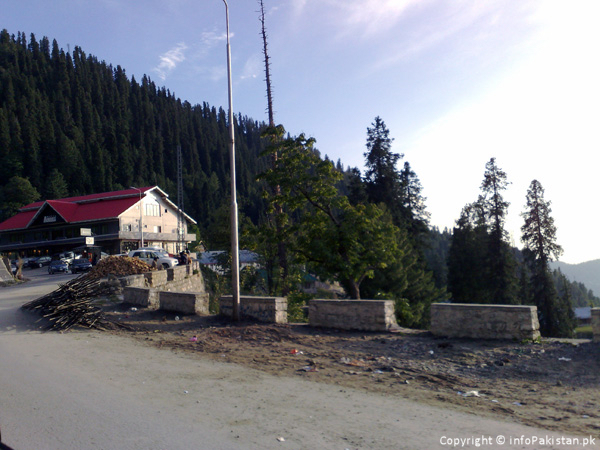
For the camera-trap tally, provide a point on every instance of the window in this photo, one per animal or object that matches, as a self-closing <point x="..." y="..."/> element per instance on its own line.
<point x="126" y="227"/>
<point x="157" y="229"/>
<point x="152" y="210"/>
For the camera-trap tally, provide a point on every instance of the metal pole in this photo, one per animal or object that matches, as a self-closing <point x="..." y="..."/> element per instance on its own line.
<point x="141" y="217"/>
<point x="235" y="255"/>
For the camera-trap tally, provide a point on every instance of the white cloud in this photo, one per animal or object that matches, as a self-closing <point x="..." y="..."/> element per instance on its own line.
<point x="253" y="67"/>
<point x="170" y="60"/>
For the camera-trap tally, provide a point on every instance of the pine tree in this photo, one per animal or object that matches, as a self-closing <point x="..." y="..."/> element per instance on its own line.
<point x="481" y="265"/>
<point x="382" y="178"/>
<point x="539" y="237"/>
<point x="502" y="280"/>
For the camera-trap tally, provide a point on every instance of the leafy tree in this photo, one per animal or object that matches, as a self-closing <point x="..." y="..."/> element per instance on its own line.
<point x="539" y="237"/>
<point x="17" y="193"/>
<point x="339" y="241"/>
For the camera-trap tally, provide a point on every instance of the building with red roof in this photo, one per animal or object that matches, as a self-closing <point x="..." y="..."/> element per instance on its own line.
<point x="116" y="221"/>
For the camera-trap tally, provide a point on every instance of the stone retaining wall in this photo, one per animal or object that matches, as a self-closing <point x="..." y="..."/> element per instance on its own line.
<point x="143" y="297"/>
<point x="368" y="315"/>
<point x="178" y="278"/>
<point x="596" y="324"/>
<point x="264" y="309"/>
<point x="184" y="302"/>
<point x="178" y="289"/>
<point x="459" y="320"/>
<point x="181" y="302"/>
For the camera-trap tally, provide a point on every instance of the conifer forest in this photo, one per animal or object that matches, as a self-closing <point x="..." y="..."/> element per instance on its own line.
<point x="71" y="124"/>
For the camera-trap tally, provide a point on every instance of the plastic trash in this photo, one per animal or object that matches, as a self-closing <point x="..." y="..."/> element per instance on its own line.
<point x="176" y="317"/>
<point x="564" y="359"/>
<point x="471" y="394"/>
<point x="193" y="338"/>
<point x="281" y="439"/>
<point x="133" y="309"/>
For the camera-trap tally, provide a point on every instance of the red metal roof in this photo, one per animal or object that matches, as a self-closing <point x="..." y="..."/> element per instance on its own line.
<point x="86" y="208"/>
<point x="91" y="197"/>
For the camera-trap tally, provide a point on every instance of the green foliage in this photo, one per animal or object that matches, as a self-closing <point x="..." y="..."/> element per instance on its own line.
<point x="16" y="193"/>
<point x="481" y="265"/>
<point x="57" y="186"/>
<point x="71" y="123"/>
<point x="216" y="286"/>
<point x="555" y="312"/>
<point x="339" y="241"/>
<point x="297" y="301"/>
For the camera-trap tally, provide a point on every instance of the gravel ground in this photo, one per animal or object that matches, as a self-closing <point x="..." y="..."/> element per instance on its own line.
<point x="551" y="385"/>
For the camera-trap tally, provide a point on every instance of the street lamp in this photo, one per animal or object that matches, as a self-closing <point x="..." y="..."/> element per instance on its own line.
<point x="235" y="265"/>
<point x="141" y="218"/>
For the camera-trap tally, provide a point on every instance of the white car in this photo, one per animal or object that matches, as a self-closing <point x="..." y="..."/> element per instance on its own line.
<point x="148" y="255"/>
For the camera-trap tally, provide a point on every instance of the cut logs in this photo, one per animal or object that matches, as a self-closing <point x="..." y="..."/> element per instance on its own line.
<point x="72" y="304"/>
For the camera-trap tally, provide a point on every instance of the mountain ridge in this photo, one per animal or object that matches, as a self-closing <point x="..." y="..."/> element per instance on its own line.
<point x="587" y="272"/>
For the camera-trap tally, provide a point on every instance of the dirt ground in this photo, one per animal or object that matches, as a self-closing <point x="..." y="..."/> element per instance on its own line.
<point x="552" y="385"/>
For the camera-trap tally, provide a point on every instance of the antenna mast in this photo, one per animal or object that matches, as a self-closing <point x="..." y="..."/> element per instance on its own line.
<point x="180" y="219"/>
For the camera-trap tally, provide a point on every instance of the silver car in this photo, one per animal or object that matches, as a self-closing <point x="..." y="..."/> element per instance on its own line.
<point x="148" y="257"/>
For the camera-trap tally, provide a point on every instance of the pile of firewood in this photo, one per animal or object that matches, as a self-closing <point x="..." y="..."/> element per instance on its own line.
<point x="119" y="266"/>
<point x="72" y="304"/>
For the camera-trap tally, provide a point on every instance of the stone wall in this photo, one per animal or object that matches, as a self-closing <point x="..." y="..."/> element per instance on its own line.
<point x="143" y="297"/>
<point x="178" y="289"/>
<point x="178" y="278"/>
<point x="184" y="302"/>
<point x="459" y="320"/>
<point x="596" y="324"/>
<point x="263" y="309"/>
<point x="368" y="315"/>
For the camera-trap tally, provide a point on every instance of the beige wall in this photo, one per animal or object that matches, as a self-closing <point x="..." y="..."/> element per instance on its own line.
<point x="166" y="220"/>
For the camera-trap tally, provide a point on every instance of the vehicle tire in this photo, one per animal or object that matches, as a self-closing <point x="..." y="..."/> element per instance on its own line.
<point x="166" y="266"/>
<point x="40" y="265"/>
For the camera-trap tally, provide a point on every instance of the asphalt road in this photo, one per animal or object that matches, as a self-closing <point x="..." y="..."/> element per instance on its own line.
<point x="91" y="390"/>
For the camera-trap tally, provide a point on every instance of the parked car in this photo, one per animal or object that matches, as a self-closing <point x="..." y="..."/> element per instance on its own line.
<point x="58" y="265"/>
<point x="148" y="257"/>
<point x="65" y="256"/>
<point x="39" y="262"/>
<point x="80" y="265"/>
<point x="14" y="266"/>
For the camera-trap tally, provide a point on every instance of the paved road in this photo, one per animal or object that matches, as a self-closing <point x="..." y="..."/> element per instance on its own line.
<point x="91" y="390"/>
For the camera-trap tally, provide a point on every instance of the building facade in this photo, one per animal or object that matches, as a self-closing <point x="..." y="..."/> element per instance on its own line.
<point x="116" y="222"/>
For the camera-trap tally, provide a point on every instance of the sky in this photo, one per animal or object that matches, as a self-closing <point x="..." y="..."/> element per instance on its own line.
<point x="457" y="82"/>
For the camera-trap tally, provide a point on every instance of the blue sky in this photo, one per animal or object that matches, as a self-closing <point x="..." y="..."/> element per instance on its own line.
<point x="456" y="82"/>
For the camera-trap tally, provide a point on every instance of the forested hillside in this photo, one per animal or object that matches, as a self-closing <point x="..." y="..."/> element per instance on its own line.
<point x="72" y="125"/>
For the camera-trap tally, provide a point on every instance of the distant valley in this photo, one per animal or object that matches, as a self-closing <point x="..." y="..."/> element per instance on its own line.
<point x="587" y="273"/>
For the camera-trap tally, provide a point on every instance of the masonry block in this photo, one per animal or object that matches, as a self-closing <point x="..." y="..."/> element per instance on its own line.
<point x="263" y="309"/>
<point x="596" y="324"/>
<point x="367" y="315"/>
<point x="461" y="320"/>
<point x="184" y="302"/>
<point x="143" y="297"/>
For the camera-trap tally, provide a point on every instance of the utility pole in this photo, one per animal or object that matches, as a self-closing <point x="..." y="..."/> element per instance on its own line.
<point x="180" y="220"/>
<point x="235" y="252"/>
